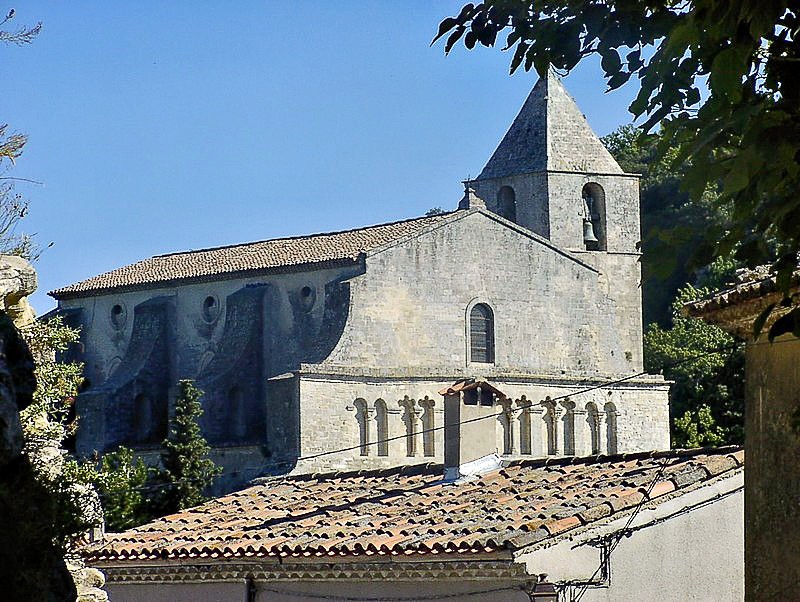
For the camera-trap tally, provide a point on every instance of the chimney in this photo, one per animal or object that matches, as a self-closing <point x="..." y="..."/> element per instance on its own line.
<point x="470" y="428"/>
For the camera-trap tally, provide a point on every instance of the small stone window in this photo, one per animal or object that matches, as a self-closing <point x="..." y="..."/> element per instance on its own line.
<point x="382" y="427"/>
<point x="481" y="334"/>
<point x="308" y="296"/>
<point x="149" y="420"/>
<point x="210" y="308"/>
<point x="237" y="416"/>
<point x="119" y="316"/>
<point x="507" y="203"/>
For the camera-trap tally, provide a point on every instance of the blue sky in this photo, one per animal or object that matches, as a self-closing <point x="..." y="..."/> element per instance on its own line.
<point x="166" y="126"/>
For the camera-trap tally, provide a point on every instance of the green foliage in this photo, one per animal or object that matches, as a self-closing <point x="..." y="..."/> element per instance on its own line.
<point x="121" y="481"/>
<point x="707" y="397"/>
<point x="434" y="211"/>
<point x="46" y="423"/>
<point x="187" y="470"/>
<point x="672" y="225"/>
<point x="133" y="493"/>
<point x="743" y="137"/>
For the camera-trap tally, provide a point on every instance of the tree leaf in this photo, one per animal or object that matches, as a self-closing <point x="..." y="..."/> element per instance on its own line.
<point x="726" y="73"/>
<point x="610" y="62"/>
<point x="761" y="320"/>
<point x="445" y="26"/>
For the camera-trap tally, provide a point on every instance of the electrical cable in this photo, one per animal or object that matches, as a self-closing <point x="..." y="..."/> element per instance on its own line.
<point x="360" y="446"/>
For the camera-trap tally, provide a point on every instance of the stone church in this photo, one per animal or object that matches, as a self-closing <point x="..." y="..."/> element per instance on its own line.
<point x="311" y="344"/>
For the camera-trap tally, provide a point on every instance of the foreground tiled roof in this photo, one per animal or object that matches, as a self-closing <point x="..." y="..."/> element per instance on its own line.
<point x="750" y="284"/>
<point x="411" y="511"/>
<point x="250" y="257"/>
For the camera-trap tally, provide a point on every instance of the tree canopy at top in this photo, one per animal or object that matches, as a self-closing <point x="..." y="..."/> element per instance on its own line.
<point x="743" y="137"/>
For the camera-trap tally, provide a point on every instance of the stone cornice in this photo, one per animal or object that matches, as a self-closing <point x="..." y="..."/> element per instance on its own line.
<point x="573" y="379"/>
<point x="224" y="571"/>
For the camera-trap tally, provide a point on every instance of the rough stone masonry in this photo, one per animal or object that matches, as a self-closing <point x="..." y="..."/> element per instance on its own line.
<point x="311" y="344"/>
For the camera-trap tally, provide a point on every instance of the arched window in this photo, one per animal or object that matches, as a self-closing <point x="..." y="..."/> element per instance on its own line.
<point x="142" y="419"/>
<point x="237" y="416"/>
<point x="593" y="423"/>
<point x="611" y="427"/>
<point x="382" y="427"/>
<point x="150" y="420"/>
<point x="594" y="215"/>
<point x="524" y="407"/>
<point x="481" y="334"/>
<point x="428" y="424"/>
<point x="363" y="426"/>
<point x="569" y="428"/>
<point x="507" y="203"/>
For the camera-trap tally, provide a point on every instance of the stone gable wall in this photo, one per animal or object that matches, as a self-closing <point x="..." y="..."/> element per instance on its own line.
<point x="409" y="310"/>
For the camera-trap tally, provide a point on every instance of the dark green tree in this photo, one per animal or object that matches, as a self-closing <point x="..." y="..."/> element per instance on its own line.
<point x="707" y="397"/>
<point x="122" y="480"/>
<point x="743" y="136"/>
<point x="187" y="470"/>
<point x="672" y="225"/>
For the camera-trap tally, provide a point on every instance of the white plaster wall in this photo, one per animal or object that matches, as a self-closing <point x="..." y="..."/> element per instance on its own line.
<point x="695" y="556"/>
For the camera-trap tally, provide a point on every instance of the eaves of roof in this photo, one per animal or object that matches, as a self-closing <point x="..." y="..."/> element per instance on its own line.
<point x="410" y="511"/>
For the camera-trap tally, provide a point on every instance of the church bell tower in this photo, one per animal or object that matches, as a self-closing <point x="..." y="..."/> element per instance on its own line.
<point x="551" y="174"/>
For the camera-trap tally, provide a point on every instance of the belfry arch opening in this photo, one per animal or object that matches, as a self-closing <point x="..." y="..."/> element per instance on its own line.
<point x="594" y="217"/>
<point x="507" y="203"/>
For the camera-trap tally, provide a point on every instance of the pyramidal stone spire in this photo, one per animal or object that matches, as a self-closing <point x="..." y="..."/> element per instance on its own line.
<point x="549" y="134"/>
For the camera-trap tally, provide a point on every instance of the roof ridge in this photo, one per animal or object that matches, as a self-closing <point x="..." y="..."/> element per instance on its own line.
<point x="303" y="236"/>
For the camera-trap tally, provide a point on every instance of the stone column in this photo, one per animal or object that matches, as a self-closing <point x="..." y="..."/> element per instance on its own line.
<point x="508" y="426"/>
<point x="558" y="413"/>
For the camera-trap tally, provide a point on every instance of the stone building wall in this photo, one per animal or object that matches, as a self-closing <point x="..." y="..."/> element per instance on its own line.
<point x="410" y="308"/>
<point x="330" y="418"/>
<point x="258" y="328"/>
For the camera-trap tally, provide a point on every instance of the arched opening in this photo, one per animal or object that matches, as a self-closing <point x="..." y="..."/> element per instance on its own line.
<point x="611" y="427"/>
<point x="428" y="424"/>
<point x="569" y="428"/>
<point x="481" y="334"/>
<point x="237" y="416"/>
<point x="142" y="419"/>
<point x="524" y="426"/>
<point x="594" y="217"/>
<point x="363" y="426"/>
<point x="507" y="203"/>
<point x="382" y="427"/>
<point x="593" y="424"/>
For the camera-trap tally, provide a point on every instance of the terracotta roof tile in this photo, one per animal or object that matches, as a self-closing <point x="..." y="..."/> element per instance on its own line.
<point x="411" y="511"/>
<point x="254" y="257"/>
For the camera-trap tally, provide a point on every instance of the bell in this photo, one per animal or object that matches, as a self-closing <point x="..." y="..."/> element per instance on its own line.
<point x="588" y="232"/>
